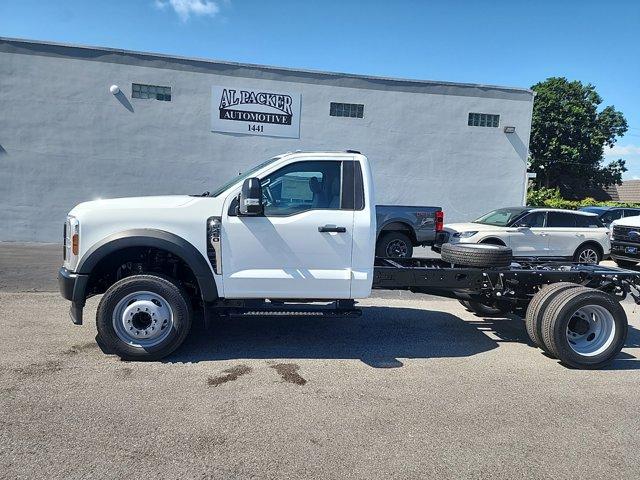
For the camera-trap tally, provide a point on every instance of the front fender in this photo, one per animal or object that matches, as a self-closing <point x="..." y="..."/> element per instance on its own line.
<point x="148" y="237"/>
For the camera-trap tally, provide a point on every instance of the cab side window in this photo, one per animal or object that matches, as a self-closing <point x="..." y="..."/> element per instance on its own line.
<point x="561" y="219"/>
<point x="533" y="220"/>
<point x="612" y="215"/>
<point x="631" y="212"/>
<point x="302" y="186"/>
<point x="588" y="221"/>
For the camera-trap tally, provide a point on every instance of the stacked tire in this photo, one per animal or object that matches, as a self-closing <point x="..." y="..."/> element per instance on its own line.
<point x="479" y="256"/>
<point x="582" y="327"/>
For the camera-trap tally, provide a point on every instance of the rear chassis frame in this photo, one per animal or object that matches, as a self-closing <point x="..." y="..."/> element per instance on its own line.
<point x="509" y="288"/>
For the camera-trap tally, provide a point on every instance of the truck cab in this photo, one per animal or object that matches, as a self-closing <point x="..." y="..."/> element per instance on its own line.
<point x="299" y="226"/>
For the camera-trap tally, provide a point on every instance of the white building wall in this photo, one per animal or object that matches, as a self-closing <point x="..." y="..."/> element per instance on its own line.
<point x="64" y="138"/>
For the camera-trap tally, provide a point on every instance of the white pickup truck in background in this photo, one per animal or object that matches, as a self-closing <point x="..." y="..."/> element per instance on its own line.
<point x="301" y="228"/>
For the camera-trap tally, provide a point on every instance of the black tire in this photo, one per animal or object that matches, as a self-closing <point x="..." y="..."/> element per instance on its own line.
<point x="625" y="263"/>
<point x="564" y="308"/>
<point x="536" y="308"/>
<point x="148" y="287"/>
<point x="590" y="250"/>
<point x="395" y="245"/>
<point x="477" y="255"/>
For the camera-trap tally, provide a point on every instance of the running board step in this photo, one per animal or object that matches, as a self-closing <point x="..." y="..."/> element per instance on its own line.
<point x="333" y="312"/>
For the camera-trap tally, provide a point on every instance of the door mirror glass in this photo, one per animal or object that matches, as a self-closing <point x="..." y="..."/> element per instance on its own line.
<point x="251" y="198"/>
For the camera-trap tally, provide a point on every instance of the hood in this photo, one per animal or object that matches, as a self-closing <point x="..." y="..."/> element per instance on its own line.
<point x="627" y="222"/>
<point x="469" y="227"/>
<point x="133" y="203"/>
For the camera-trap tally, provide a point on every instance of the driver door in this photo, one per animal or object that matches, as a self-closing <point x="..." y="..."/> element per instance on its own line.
<point x="301" y="247"/>
<point x="528" y="238"/>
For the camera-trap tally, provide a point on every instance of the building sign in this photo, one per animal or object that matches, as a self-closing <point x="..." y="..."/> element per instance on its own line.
<point x="255" y="112"/>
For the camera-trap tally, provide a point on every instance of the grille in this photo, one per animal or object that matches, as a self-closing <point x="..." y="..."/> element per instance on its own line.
<point x="627" y="234"/>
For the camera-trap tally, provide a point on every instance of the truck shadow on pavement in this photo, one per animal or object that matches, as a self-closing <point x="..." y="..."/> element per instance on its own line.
<point x="379" y="338"/>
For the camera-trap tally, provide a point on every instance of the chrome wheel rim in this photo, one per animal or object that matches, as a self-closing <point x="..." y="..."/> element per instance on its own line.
<point x="591" y="330"/>
<point x="142" y="319"/>
<point x="588" y="255"/>
<point x="397" y="248"/>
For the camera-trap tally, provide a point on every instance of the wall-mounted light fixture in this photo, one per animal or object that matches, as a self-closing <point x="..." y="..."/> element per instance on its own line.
<point x="509" y="129"/>
<point x="115" y="89"/>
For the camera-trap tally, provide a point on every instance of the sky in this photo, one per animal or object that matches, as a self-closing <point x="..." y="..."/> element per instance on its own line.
<point x="512" y="43"/>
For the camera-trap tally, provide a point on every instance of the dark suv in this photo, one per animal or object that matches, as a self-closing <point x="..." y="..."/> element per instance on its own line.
<point x="609" y="214"/>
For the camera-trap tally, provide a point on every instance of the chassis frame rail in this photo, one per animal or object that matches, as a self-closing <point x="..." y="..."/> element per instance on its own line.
<point x="511" y="287"/>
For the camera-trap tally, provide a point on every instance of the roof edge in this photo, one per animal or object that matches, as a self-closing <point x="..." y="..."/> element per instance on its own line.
<point x="67" y="50"/>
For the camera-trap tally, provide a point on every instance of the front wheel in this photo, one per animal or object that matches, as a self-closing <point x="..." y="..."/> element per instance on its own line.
<point x="394" y="244"/>
<point x="143" y="317"/>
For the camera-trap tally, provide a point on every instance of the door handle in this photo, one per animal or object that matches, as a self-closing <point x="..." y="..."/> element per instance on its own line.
<point x="331" y="229"/>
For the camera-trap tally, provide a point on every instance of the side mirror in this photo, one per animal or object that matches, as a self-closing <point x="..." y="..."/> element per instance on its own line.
<point x="523" y="228"/>
<point x="251" y="198"/>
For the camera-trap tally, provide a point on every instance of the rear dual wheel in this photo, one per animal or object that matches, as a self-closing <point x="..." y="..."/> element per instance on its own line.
<point x="537" y="306"/>
<point x="582" y="327"/>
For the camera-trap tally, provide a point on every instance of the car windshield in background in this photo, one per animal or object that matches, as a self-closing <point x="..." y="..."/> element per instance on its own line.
<point x="501" y="217"/>
<point x="243" y="176"/>
<point x="597" y="210"/>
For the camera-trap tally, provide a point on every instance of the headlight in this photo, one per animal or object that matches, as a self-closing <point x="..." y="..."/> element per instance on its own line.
<point x="464" y="234"/>
<point x="71" y="243"/>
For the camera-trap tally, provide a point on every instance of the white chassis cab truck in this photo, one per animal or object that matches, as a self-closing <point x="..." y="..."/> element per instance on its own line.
<point x="296" y="235"/>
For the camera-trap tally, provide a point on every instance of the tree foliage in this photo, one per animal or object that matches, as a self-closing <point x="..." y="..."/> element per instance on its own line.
<point x="552" y="198"/>
<point x="568" y="136"/>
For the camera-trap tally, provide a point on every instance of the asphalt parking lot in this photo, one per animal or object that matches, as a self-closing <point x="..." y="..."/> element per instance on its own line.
<point x="415" y="388"/>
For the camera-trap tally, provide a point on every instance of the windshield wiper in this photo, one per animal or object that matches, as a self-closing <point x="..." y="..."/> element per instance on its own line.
<point x="205" y="194"/>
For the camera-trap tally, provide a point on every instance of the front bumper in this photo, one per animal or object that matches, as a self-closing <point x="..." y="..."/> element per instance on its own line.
<point x="73" y="287"/>
<point x="625" y="251"/>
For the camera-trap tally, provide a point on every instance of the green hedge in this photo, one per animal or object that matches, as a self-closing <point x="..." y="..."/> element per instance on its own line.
<point x="550" y="197"/>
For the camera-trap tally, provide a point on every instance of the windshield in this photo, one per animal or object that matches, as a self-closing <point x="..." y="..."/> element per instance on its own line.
<point x="501" y="217"/>
<point x="242" y="176"/>
<point x="597" y="210"/>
